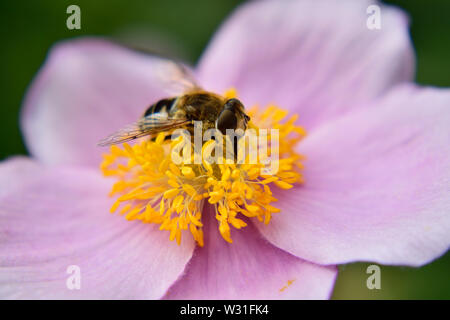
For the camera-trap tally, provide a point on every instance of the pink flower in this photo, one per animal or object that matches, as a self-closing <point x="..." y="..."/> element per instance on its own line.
<point x="377" y="175"/>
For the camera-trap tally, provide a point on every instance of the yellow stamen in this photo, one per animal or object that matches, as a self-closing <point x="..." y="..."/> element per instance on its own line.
<point x="152" y="188"/>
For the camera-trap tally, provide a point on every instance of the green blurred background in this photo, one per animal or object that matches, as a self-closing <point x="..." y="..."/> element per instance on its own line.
<point x="182" y="29"/>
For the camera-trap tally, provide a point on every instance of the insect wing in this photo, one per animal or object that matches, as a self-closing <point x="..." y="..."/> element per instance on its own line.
<point x="149" y="125"/>
<point x="177" y="78"/>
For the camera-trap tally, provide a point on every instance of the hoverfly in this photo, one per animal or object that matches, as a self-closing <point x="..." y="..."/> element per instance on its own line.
<point x="194" y="104"/>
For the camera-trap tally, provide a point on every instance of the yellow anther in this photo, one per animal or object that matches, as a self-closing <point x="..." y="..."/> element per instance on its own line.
<point x="162" y="207"/>
<point x="114" y="206"/>
<point x="133" y="214"/>
<point x="178" y="203"/>
<point x="128" y="149"/>
<point x="174" y="169"/>
<point x="160" y="138"/>
<point x="252" y="208"/>
<point x="269" y="180"/>
<point x="189" y="190"/>
<point x="171" y="193"/>
<point x="226" y="175"/>
<point x="238" y="223"/>
<point x="125" y="208"/>
<point x="224" y="230"/>
<point x="188" y="172"/>
<point x="164" y="165"/>
<point x="170" y="175"/>
<point x="236" y="174"/>
<point x="173" y="183"/>
<point x="283" y="185"/>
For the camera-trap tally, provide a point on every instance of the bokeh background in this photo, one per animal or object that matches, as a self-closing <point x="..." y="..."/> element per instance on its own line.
<point x="182" y="29"/>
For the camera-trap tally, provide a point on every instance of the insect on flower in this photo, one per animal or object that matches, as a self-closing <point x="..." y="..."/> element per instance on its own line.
<point x="194" y="104"/>
<point x="154" y="188"/>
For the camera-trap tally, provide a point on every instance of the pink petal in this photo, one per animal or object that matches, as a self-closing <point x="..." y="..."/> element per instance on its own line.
<point x="249" y="268"/>
<point x="16" y="171"/>
<point x="87" y="89"/>
<point x="377" y="185"/>
<point x="63" y="219"/>
<point x="315" y="57"/>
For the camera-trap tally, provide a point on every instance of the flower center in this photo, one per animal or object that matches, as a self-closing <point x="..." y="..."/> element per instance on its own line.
<point x="153" y="188"/>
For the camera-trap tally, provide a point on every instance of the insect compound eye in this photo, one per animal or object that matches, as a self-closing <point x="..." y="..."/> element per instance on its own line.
<point x="231" y="116"/>
<point x="233" y="104"/>
<point x="226" y="120"/>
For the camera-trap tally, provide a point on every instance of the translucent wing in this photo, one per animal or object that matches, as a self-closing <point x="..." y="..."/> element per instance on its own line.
<point x="149" y="125"/>
<point x="177" y="78"/>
